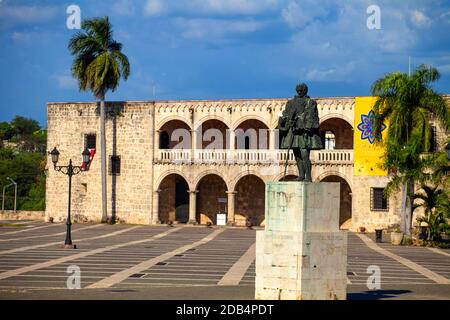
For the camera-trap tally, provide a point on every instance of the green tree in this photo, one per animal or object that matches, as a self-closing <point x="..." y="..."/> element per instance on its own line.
<point x="27" y="169"/>
<point x="407" y="102"/>
<point x="435" y="203"/>
<point x="6" y="131"/>
<point x="98" y="65"/>
<point x="23" y="126"/>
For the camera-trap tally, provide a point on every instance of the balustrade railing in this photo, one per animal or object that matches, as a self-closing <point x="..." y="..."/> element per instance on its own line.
<point x="250" y="156"/>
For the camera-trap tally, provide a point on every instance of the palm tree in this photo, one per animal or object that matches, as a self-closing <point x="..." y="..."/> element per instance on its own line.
<point x="435" y="202"/>
<point x="407" y="102"/>
<point x="98" y="65"/>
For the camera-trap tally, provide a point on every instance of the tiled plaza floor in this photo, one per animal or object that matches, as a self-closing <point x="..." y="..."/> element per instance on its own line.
<point x="122" y="258"/>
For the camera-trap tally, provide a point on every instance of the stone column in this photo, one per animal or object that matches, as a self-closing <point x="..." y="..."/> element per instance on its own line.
<point x="155" y="207"/>
<point x="272" y="139"/>
<point x="193" y="144"/>
<point x="230" y="210"/>
<point x="156" y="144"/>
<point x="192" y="206"/>
<point x="232" y="142"/>
<point x="231" y="147"/>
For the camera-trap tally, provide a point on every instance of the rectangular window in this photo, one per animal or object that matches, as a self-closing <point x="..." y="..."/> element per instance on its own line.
<point x="378" y="201"/>
<point x="90" y="141"/>
<point x="114" y="165"/>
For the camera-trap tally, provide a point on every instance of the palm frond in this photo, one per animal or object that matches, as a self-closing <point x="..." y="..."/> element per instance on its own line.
<point x="99" y="63"/>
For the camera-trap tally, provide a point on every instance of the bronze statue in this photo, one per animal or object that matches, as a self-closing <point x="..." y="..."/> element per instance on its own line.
<point x="299" y="130"/>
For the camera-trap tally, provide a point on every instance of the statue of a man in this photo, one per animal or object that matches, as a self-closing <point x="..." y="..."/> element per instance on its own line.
<point x="299" y="130"/>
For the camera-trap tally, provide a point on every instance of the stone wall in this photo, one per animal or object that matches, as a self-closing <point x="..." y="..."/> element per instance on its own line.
<point x="22" y="215"/>
<point x="363" y="216"/>
<point x="129" y="134"/>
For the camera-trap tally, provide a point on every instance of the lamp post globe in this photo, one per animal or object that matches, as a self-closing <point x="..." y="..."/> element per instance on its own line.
<point x="55" y="156"/>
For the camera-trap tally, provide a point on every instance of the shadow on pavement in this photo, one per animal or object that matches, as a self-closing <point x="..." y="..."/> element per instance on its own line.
<point x="376" y="294"/>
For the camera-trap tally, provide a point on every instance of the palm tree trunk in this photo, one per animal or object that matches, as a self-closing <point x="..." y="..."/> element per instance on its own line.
<point x="411" y="205"/>
<point x="403" y="208"/>
<point x="103" y="158"/>
<point x="407" y="205"/>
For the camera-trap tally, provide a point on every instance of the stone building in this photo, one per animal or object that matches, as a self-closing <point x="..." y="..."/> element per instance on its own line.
<point x="187" y="161"/>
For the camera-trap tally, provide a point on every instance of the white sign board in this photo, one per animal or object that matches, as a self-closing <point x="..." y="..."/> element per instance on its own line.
<point x="221" y="219"/>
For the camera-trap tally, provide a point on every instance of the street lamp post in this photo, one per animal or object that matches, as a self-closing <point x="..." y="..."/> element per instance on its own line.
<point x="15" y="192"/>
<point x="13" y="183"/>
<point x="69" y="170"/>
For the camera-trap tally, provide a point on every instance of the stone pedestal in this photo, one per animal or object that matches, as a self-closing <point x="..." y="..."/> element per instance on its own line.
<point x="301" y="254"/>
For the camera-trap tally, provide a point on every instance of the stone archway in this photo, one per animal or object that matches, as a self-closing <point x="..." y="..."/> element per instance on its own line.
<point x="173" y="199"/>
<point x="345" y="208"/>
<point x="175" y="134"/>
<point x="212" y="134"/>
<point x="211" y="198"/>
<point x="250" y="200"/>
<point x="340" y="129"/>
<point x="251" y="134"/>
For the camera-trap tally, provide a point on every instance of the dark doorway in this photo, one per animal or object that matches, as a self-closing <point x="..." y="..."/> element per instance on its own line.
<point x="164" y="140"/>
<point x="173" y="199"/>
<point x="181" y="201"/>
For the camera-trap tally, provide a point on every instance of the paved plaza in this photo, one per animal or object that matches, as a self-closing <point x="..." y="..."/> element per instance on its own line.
<point x="188" y="262"/>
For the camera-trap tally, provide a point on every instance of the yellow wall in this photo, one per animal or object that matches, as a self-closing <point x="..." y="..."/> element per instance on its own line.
<point x="368" y="156"/>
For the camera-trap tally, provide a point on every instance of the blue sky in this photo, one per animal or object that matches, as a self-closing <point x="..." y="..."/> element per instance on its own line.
<point x="212" y="49"/>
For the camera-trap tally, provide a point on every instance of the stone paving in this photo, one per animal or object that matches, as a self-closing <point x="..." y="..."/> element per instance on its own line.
<point x="125" y="257"/>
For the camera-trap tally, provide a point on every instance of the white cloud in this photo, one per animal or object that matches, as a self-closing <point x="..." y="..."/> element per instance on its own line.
<point x="298" y="14"/>
<point x="21" y="37"/>
<point x="420" y="19"/>
<point x="215" y="28"/>
<point x="334" y="73"/>
<point x="238" y="6"/>
<point x="27" y="14"/>
<point x="333" y="44"/>
<point x="155" y="7"/>
<point x="202" y="7"/>
<point x="124" y="7"/>
<point x="346" y="32"/>
<point x="213" y="21"/>
<point x="445" y="16"/>
<point x="66" y="81"/>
